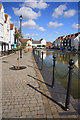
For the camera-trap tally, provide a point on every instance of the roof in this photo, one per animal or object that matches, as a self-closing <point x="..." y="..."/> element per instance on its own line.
<point x="11" y="26"/>
<point x="15" y="28"/>
<point x="0" y="6"/>
<point x="41" y="39"/>
<point x="24" y="40"/>
<point x="6" y="17"/>
<point x="36" y="42"/>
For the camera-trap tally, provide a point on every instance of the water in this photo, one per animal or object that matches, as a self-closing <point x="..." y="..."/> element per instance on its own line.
<point x="62" y="63"/>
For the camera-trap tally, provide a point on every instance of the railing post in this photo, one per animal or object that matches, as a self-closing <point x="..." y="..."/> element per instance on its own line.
<point x="42" y="61"/>
<point x="53" y="78"/>
<point x="71" y="62"/>
<point x="38" y="55"/>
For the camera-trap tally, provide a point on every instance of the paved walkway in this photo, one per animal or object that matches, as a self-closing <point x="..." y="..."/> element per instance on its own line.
<point x="24" y="96"/>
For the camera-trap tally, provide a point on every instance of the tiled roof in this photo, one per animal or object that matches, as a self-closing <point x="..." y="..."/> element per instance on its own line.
<point x="0" y="6"/>
<point x="15" y="28"/>
<point x="36" y="42"/>
<point x="6" y="17"/>
<point x="11" y="26"/>
<point x="24" y="40"/>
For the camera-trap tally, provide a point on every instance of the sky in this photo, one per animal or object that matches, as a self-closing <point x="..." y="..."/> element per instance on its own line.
<point x="48" y="20"/>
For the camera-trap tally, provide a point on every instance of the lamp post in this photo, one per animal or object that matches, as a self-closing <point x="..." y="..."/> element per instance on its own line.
<point x="20" y="32"/>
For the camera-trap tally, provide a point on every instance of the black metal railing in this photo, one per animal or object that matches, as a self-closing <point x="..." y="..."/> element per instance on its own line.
<point x="69" y="74"/>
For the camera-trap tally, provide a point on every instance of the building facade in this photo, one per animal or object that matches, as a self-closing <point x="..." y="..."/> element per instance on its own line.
<point x="12" y="38"/>
<point x="1" y="27"/>
<point x="36" y="44"/>
<point x="68" y="42"/>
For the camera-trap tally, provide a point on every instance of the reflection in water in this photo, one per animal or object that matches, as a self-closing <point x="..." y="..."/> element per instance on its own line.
<point x="62" y="63"/>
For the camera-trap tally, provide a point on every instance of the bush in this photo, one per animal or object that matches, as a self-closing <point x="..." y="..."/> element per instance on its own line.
<point x="38" y="45"/>
<point x="43" y="45"/>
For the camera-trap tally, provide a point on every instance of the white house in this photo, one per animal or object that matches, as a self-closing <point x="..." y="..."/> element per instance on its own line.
<point x="41" y="43"/>
<point x="12" y="38"/>
<point x="1" y="26"/>
<point x="76" y="42"/>
<point x="31" y="43"/>
<point x="6" y="32"/>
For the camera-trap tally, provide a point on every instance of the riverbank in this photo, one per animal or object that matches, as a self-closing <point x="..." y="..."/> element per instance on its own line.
<point x="58" y="93"/>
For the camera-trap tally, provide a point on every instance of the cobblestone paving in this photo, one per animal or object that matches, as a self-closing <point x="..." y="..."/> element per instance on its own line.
<point x="0" y="89"/>
<point x="24" y="96"/>
<point x="19" y="100"/>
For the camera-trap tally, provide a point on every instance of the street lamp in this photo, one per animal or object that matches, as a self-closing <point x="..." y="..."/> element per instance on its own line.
<point x="20" y="32"/>
<point x="20" y="21"/>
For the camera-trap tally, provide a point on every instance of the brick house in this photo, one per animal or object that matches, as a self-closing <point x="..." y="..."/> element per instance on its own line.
<point x="49" y="45"/>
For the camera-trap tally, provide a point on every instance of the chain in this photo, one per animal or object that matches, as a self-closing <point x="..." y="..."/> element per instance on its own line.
<point x="76" y="74"/>
<point x="47" y="65"/>
<point x="60" y="75"/>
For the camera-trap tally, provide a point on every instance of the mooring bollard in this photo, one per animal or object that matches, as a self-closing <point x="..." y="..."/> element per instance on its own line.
<point x="53" y="78"/>
<point x="71" y="62"/>
<point x="20" y="52"/>
<point x="42" y="61"/>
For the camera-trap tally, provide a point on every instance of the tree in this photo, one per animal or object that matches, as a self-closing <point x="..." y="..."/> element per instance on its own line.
<point x="24" y="44"/>
<point x="18" y="36"/>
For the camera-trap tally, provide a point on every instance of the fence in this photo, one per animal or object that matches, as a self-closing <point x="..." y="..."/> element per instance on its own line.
<point x="54" y="73"/>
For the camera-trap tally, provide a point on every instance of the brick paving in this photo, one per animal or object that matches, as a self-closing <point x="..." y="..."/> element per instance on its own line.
<point x="25" y="97"/>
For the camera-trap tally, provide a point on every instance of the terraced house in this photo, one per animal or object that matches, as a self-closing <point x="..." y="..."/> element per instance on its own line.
<point x="68" y="42"/>
<point x="1" y="27"/>
<point x="7" y="31"/>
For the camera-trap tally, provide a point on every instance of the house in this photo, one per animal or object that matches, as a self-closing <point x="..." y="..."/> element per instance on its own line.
<point x="68" y="42"/>
<point x="49" y="45"/>
<point x="31" y="43"/>
<point x="12" y="38"/>
<point x="6" y="33"/>
<point x="28" y="43"/>
<point x="75" y="41"/>
<point x="39" y="44"/>
<point x="1" y="27"/>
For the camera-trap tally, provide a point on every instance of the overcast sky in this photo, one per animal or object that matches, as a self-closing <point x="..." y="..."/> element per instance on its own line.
<point x="47" y="20"/>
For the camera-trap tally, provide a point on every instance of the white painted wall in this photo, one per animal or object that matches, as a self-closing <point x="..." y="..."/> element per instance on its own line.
<point x="11" y="35"/>
<point x="76" y="41"/>
<point x="43" y="42"/>
<point x="1" y="26"/>
<point x="7" y="31"/>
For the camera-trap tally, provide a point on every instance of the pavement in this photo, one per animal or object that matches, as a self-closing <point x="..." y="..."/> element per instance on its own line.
<point x="25" y="93"/>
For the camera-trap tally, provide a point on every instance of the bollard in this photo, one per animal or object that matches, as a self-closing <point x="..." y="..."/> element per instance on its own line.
<point x="38" y="56"/>
<point x="53" y="78"/>
<point x="42" y="61"/>
<point x="20" y="52"/>
<point x="33" y="51"/>
<point x="71" y="62"/>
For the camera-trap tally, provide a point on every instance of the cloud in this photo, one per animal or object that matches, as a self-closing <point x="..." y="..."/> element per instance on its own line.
<point x="41" y="29"/>
<point x="75" y="26"/>
<point x="54" y="24"/>
<point x="59" y="11"/>
<point x="69" y="13"/>
<point x="35" y="34"/>
<point x="26" y="12"/>
<point x="35" y="4"/>
<point x="29" y="24"/>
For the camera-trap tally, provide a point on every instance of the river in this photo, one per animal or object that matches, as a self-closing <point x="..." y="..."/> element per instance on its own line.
<point x="61" y="69"/>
